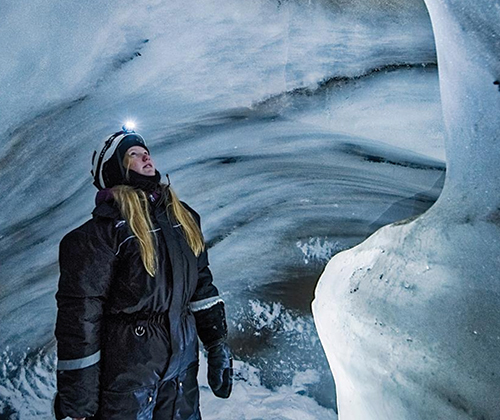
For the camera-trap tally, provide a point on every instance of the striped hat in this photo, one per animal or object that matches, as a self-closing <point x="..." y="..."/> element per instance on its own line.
<point x="107" y="160"/>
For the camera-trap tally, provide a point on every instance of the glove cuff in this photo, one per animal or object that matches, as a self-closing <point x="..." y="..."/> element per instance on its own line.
<point x="211" y="325"/>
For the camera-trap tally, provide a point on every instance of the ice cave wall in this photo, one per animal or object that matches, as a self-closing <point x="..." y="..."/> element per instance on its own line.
<point x="410" y="318"/>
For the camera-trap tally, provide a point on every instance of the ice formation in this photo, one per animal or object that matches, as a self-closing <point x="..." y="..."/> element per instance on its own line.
<point x="410" y="318"/>
<point x="261" y="112"/>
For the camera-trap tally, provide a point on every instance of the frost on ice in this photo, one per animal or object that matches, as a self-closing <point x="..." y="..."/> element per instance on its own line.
<point x="316" y="249"/>
<point x="410" y="318"/>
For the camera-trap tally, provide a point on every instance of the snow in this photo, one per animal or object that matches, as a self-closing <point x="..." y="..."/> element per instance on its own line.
<point x="409" y="318"/>
<point x="251" y="401"/>
<point x="318" y="249"/>
<point x="32" y="385"/>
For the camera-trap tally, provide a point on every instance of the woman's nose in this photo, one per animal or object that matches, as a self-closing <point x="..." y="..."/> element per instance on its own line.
<point x="145" y="157"/>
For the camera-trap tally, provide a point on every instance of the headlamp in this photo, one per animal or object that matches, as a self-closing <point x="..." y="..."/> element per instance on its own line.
<point x="128" y="127"/>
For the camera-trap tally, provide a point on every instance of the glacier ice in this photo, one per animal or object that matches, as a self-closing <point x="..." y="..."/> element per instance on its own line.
<point x="410" y="318"/>
<point x="276" y="106"/>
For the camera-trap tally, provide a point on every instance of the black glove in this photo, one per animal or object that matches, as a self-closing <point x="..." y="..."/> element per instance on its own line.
<point x="220" y="370"/>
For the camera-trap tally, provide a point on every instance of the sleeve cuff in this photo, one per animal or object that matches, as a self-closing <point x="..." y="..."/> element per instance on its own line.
<point x="203" y="304"/>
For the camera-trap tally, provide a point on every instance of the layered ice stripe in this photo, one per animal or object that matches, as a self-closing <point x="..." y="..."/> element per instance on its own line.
<point x="195" y="54"/>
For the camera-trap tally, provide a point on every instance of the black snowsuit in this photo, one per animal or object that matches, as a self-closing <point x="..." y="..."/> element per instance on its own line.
<point x="127" y="342"/>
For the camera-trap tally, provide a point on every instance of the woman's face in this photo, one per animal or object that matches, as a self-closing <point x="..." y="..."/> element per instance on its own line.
<point x="137" y="159"/>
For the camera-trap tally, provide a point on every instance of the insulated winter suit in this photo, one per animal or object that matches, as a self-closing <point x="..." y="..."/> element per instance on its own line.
<point x="128" y="342"/>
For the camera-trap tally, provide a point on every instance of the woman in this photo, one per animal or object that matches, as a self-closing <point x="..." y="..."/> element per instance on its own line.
<point x="135" y="292"/>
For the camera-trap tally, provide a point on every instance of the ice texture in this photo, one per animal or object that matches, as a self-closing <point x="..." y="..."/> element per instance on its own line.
<point x="410" y="318"/>
<point x="295" y="128"/>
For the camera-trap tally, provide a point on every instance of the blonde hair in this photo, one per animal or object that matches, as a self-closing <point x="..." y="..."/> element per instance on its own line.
<point x="134" y="207"/>
<point x="192" y="232"/>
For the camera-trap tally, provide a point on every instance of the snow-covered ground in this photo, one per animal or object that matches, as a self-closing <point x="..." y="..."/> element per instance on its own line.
<point x="296" y="129"/>
<point x="26" y="395"/>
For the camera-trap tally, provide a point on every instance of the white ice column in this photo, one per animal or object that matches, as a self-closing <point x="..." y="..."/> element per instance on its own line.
<point x="467" y="38"/>
<point x="410" y="318"/>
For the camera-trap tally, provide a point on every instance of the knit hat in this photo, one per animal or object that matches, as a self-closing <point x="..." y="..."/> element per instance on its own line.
<point x="107" y="160"/>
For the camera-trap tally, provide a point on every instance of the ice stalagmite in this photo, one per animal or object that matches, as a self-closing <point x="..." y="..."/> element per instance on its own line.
<point x="410" y="318"/>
